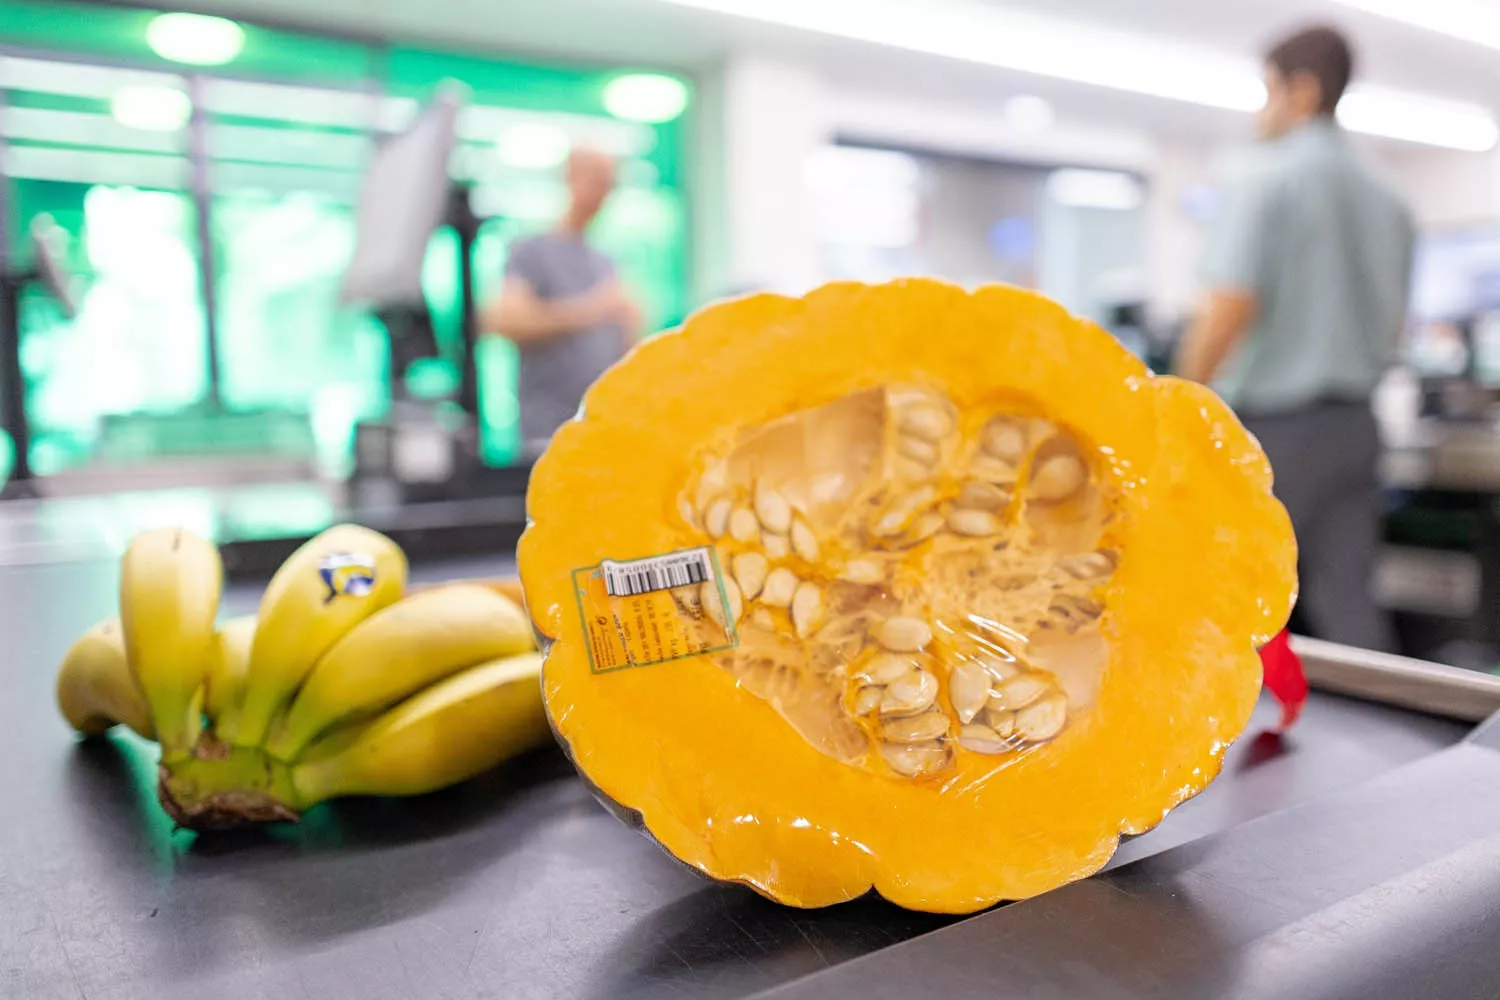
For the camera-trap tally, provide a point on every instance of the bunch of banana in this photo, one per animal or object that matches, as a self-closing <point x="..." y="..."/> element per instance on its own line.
<point x="342" y="684"/>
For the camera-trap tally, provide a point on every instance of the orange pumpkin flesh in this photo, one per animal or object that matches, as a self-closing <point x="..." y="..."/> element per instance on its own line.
<point x="769" y="763"/>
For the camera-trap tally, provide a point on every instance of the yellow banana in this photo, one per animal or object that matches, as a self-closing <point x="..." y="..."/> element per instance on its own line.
<point x="95" y="689"/>
<point x="170" y="580"/>
<point x="228" y="666"/>
<point x="451" y="731"/>
<point x="397" y="652"/>
<point x="328" y="586"/>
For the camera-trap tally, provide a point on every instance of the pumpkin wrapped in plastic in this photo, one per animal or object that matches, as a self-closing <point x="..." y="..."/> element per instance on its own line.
<point x="900" y="587"/>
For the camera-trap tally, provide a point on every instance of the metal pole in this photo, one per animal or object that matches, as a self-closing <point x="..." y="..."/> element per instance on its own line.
<point x="13" y="387"/>
<point x="202" y="204"/>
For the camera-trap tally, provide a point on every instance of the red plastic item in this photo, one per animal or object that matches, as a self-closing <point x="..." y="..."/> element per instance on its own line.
<point x="1284" y="678"/>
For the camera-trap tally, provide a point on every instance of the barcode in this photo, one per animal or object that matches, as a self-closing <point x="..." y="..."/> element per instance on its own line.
<point x="641" y="576"/>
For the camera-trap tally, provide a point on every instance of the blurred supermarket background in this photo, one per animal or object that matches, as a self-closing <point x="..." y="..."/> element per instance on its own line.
<point x="201" y="342"/>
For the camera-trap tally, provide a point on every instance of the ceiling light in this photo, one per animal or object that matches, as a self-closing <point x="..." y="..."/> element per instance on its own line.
<point x="1010" y="39"/>
<point x="1475" y="21"/>
<point x="1397" y="115"/>
<point x="1028" y="113"/>
<point x="195" y="39"/>
<point x="533" y="146"/>
<point x="154" y="109"/>
<point x="1061" y="49"/>
<point x="1108" y="189"/>
<point x="645" y="97"/>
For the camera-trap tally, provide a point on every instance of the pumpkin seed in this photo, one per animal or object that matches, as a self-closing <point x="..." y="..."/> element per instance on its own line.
<point x="780" y="585"/>
<point x="1044" y="719"/>
<point x="742" y="525"/>
<point x="912" y="692"/>
<point x="982" y="739"/>
<point x="736" y="602"/>
<point x="903" y="634"/>
<point x="804" y="542"/>
<point x="918" y="450"/>
<point x="926" y="422"/>
<point x="1004" y="438"/>
<point x="999" y="667"/>
<point x="925" y="527"/>
<point x="973" y="523"/>
<point x="968" y="689"/>
<point x="883" y="668"/>
<point x="843" y="637"/>
<point x="900" y="513"/>
<point x="915" y="728"/>
<point x="713" y="604"/>
<point x="977" y="495"/>
<point x="1056" y="479"/>
<point x="807" y="609"/>
<point x="772" y="509"/>
<point x="1020" y="691"/>
<point x="862" y="571"/>
<point x="992" y="470"/>
<point x="1073" y="611"/>
<point x="915" y="759"/>
<point x="1089" y="565"/>
<point x="716" y="518"/>
<point x="1001" y="721"/>
<point x="867" y="699"/>
<point x="750" y="573"/>
<point x="776" y="547"/>
<point x="762" y="618"/>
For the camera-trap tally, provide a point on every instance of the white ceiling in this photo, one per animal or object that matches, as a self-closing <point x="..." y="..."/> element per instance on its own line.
<point x="654" y="32"/>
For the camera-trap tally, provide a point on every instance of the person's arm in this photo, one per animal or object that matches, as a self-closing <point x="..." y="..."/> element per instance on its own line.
<point x="519" y="314"/>
<point x="1221" y="323"/>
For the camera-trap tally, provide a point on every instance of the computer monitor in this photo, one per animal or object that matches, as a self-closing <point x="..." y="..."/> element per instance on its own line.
<point x="1455" y="299"/>
<point x="401" y="203"/>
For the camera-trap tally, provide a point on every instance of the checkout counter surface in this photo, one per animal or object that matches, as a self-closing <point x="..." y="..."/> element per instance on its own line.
<point x="518" y="885"/>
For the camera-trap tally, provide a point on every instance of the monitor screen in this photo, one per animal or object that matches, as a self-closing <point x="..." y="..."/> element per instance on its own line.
<point x="401" y="204"/>
<point x="1455" y="302"/>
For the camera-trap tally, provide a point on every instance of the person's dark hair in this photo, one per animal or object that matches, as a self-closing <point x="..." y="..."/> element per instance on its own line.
<point x="1324" y="54"/>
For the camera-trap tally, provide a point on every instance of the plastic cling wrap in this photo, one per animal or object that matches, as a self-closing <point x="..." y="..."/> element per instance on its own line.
<point x="900" y="588"/>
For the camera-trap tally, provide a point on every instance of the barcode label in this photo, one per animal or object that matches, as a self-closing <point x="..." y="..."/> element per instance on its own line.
<point x="642" y="576"/>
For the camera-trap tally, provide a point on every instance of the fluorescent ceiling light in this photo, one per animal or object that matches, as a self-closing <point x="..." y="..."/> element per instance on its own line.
<point x="292" y="103"/>
<point x="1008" y="39"/>
<point x="153" y="109"/>
<point x="195" y="39"/>
<point x="80" y="166"/>
<point x="645" y="97"/>
<point x="1108" y="189"/>
<point x="49" y="76"/>
<point x="1475" y="21"/>
<point x="1398" y="115"/>
<point x="82" y="128"/>
<point x="990" y="35"/>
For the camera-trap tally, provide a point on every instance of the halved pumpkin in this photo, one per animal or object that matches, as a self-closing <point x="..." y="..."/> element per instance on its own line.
<point x="941" y="593"/>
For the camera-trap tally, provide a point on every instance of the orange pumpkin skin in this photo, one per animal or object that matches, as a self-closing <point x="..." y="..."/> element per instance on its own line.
<point x="1206" y="572"/>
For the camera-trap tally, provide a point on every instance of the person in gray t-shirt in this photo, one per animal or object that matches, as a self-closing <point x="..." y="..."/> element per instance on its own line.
<point x="563" y="307"/>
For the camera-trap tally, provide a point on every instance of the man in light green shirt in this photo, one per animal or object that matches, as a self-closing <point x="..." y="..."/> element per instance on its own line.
<point x="1308" y="270"/>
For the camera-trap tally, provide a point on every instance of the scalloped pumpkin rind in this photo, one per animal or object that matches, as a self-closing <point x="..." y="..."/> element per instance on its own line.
<point x="1206" y="572"/>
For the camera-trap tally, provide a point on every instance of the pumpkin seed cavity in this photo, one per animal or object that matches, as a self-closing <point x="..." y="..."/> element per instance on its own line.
<point x="895" y="555"/>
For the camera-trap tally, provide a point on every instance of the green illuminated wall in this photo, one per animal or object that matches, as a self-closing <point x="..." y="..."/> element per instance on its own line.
<point x="284" y="167"/>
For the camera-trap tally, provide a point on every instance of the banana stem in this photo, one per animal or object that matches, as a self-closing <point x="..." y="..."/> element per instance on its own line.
<point x="220" y="786"/>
